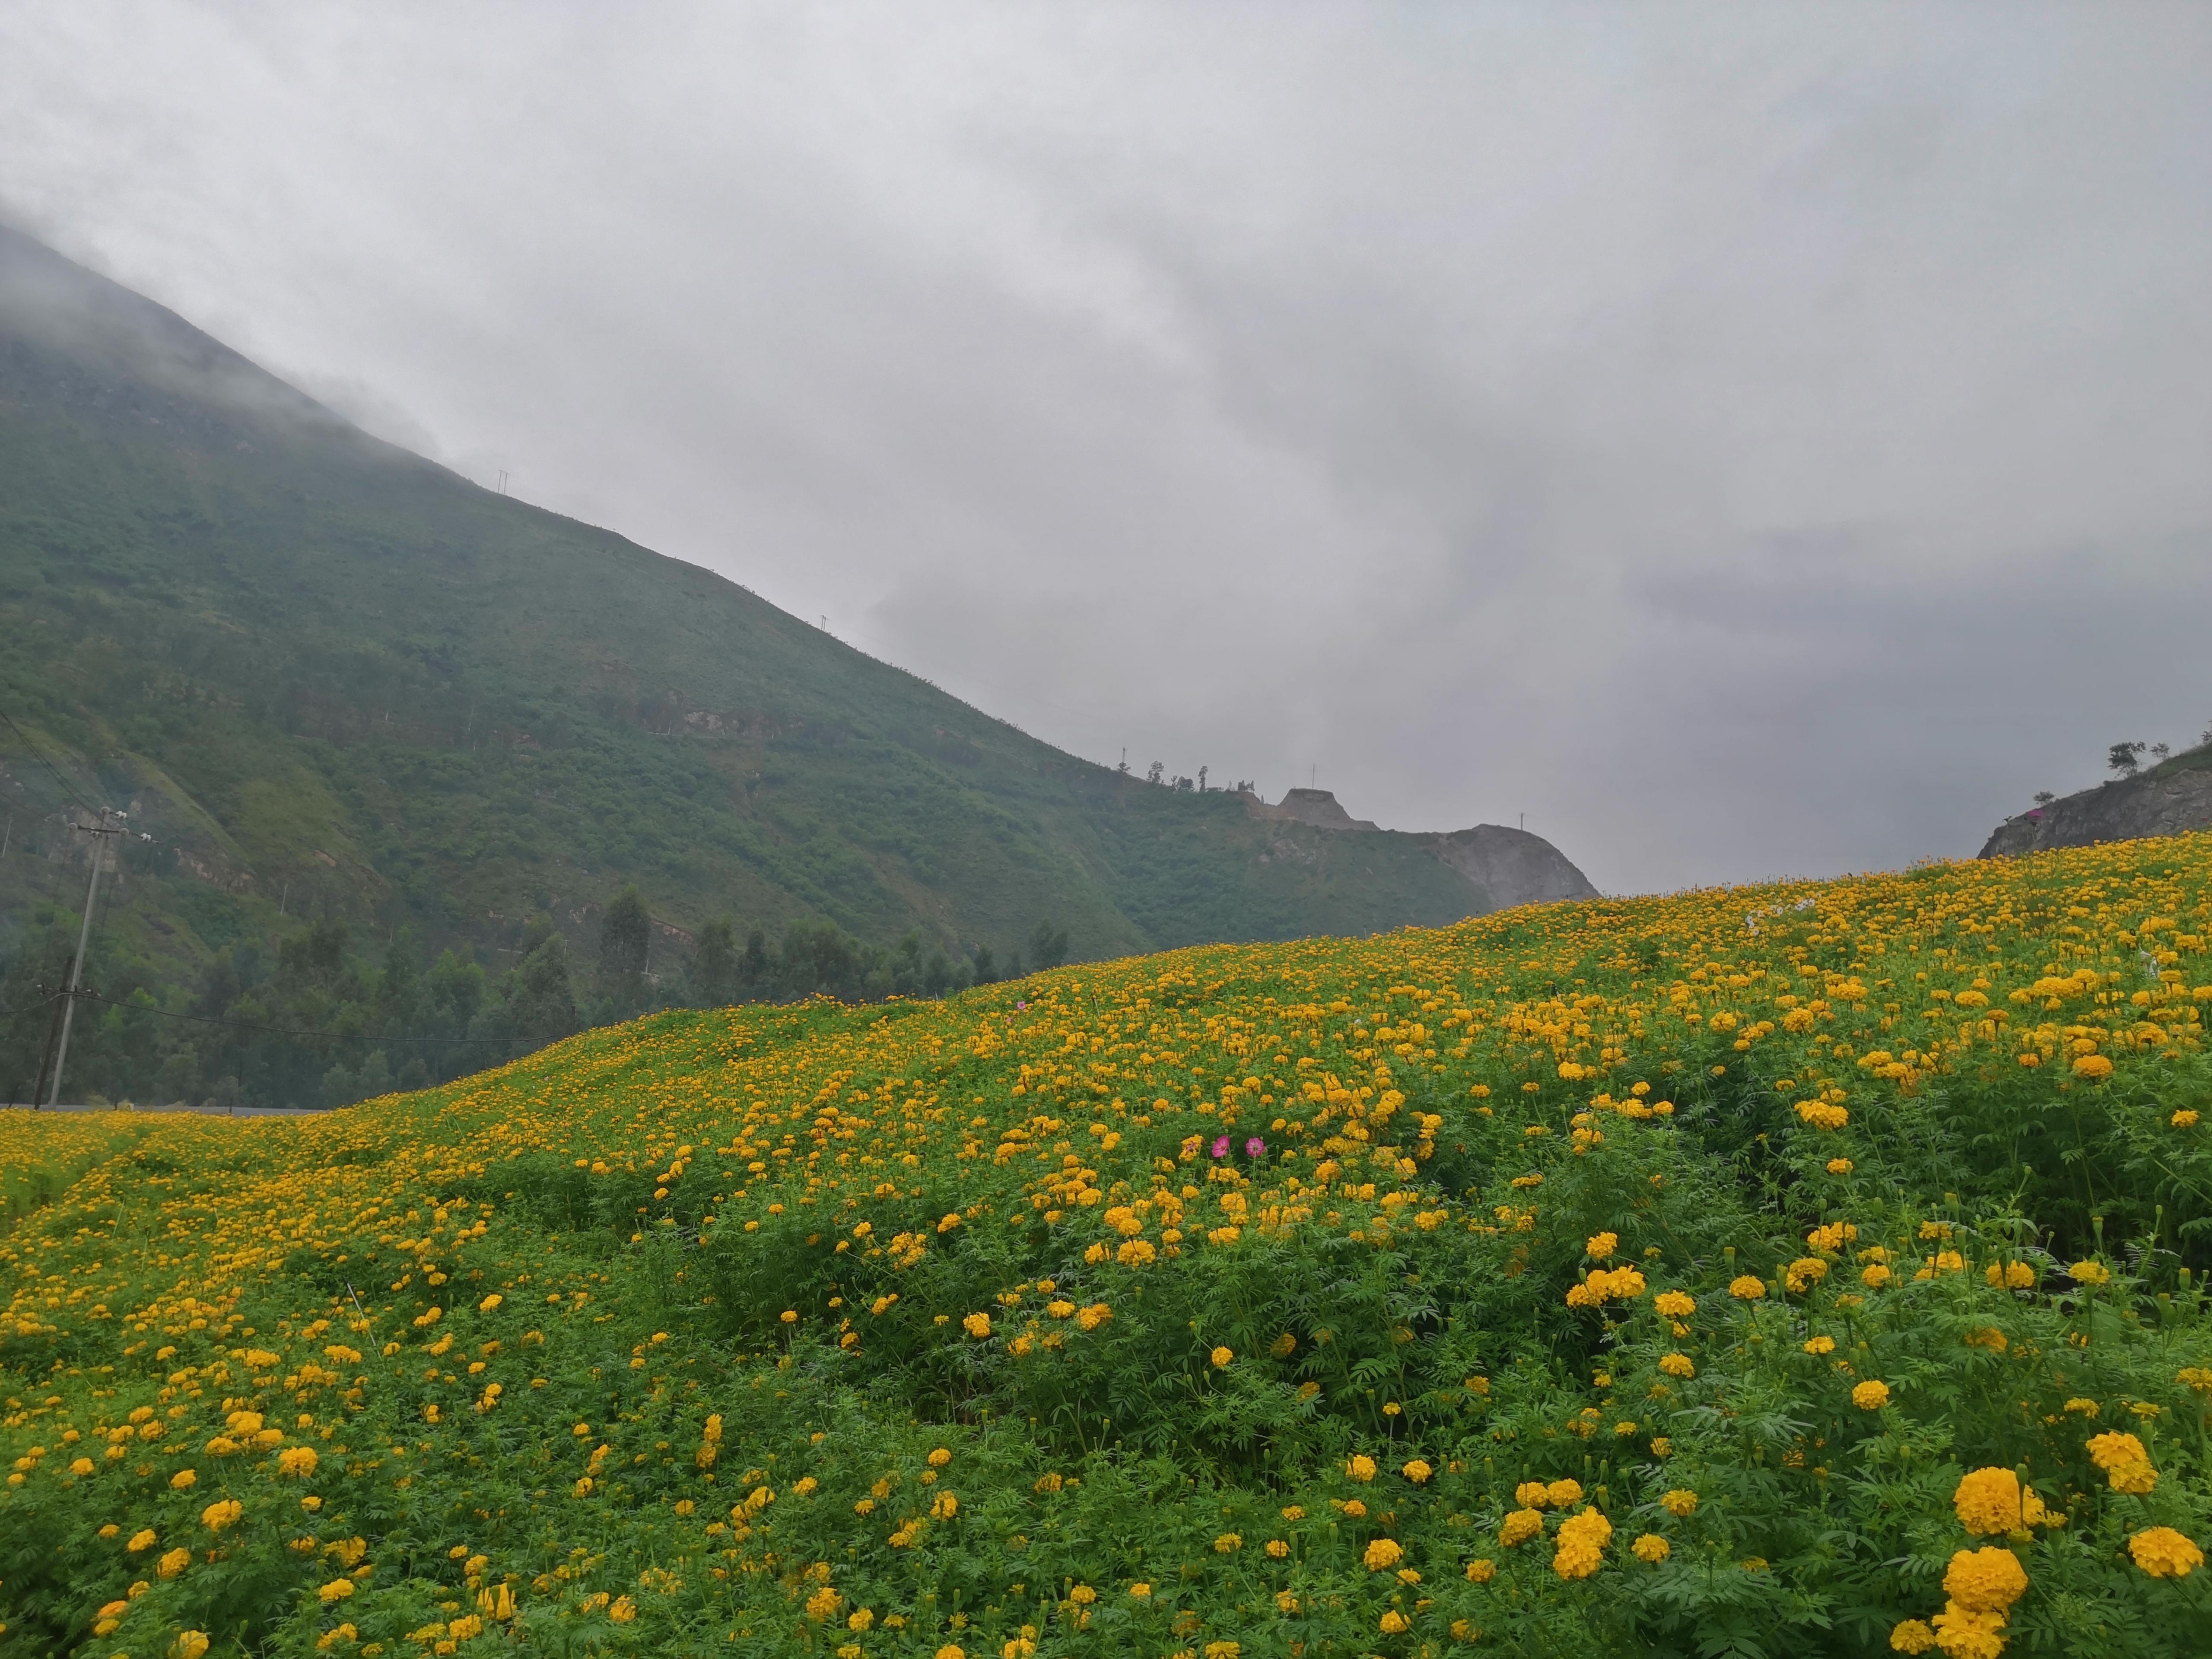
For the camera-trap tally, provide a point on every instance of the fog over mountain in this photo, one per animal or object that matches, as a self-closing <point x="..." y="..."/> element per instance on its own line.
<point x="1745" y="441"/>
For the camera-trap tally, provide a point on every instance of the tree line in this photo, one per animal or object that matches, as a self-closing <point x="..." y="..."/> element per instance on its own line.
<point x="324" y="1018"/>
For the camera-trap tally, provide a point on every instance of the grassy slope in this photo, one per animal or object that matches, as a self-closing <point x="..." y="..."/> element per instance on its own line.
<point x="739" y="1278"/>
<point x="328" y="663"/>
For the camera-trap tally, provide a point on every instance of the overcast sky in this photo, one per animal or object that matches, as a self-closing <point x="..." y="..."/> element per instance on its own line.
<point x="1748" y="439"/>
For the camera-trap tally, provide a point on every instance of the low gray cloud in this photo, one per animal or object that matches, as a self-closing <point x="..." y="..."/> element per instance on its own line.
<point x="1744" y="440"/>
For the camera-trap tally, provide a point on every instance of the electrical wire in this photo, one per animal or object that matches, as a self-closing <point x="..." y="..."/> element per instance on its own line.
<point x="68" y="788"/>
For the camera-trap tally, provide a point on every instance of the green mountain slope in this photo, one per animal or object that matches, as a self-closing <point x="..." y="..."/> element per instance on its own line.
<point x="332" y="680"/>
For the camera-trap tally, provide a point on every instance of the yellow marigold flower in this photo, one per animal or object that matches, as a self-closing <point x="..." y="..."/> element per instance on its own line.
<point x="1678" y="1365"/>
<point x="2086" y="1407"/>
<point x="1531" y="1494"/>
<point x="1875" y="1277"/>
<point x="2124" y="1462"/>
<point x="216" y="1516"/>
<point x="190" y="1645"/>
<point x="2165" y="1553"/>
<point x="938" y="1458"/>
<point x="2090" y="1272"/>
<point x="977" y="1325"/>
<point x="1986" y="1580"/>
<point x="1082" y="1595"/>
<point x="1660" y="1445"/>
<point x="1360" y="1466"/>
<point x="1521" y="1525"/>
<point x="1870" y="1396"/>
<point x="1229" y="1543"/>
<point x="336" y="1590"/>
<point x="183" y="1479"/>
<point x="1988" y="1502"/>
<point x="2184" y="1119"/>
<point x="1674" y="1304"/>
<point x="1277" y="1548"/>
<point x="1417" y="1471"/>
<point x="860" y="1619"/>
<point x="1970" y="1633"/>
<point x="1747" y="1287"/>
<point x="298" y="1462"/>
<point x="174" y="1563"/>
<point x="1394" y="1622"/>
<point x="490" y="1303"/>
<point x="1481" y="1571"/>
<point x="1602" y="1246"/>
<point x="1803" y="1273"/>
<point x="2197" y="1378"/>
<point x="1651" y="1547"/>
<point x="1221" y="1358"/>
<point x="1821" y="1344"/>
<point x="1681" y="1503"/>
<point x="1911" y="1636"/>
<point x="951" y="1651"/>
<point x="1564" y="1492"/>
<point x="2096" y="1067"/>
<point x="1382" y="1553"/>
<point x="1583" y="1539"/>
<point x="623" y="1610"/>
<point x="2136" y="1480"/>
<point x="142" y="1540"/>
<point x="1141" y="1589"/>
<point x="1840" y="1166"/>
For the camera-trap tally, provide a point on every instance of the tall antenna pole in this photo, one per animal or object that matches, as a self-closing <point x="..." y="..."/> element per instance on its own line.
<point x="99" y="832"/>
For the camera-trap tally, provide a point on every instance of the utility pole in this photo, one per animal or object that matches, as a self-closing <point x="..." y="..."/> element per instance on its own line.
<point x="99" y="831"/>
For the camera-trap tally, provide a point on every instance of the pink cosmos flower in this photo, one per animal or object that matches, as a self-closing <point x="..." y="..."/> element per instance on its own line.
<point x="1221" y="1147"/>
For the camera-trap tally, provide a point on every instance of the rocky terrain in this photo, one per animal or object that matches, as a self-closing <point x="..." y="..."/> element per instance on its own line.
<point x="1509" y="866"/>
<point x="2173" y="799"/>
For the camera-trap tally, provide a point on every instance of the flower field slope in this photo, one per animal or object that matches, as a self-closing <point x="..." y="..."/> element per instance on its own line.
<point x="1808" y="1269"/>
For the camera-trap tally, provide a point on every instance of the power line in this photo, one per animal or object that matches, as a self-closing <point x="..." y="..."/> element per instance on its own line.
<point x="68" y="788"/>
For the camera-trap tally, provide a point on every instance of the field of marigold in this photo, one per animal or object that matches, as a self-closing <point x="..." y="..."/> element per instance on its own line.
<point x="1811" y="1269"/>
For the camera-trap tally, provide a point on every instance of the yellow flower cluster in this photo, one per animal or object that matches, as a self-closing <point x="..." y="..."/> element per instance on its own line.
<point x="2126" y="1463"/>
<point x="265" y="1292"/>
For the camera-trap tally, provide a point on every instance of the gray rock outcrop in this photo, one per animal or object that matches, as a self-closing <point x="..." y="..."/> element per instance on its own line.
<point x="1513" y="866"/>
<point x="2173" y="799"/>
<point x="1505" y="867"/>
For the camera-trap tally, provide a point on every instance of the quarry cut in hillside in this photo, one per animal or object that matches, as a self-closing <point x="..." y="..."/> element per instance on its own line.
<point x="1510" y="866"/>
<point x="2172" y="798"/>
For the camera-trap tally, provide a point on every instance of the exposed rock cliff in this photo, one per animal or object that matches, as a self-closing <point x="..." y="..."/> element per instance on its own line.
<point x="2172" y="798"/>
<point x="1513" y="866"/>
<point x="1318" y="807"/>
<point x="1505" y="867"/>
